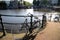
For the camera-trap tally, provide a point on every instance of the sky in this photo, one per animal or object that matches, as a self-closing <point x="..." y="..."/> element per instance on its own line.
<point x="29" y="1"/>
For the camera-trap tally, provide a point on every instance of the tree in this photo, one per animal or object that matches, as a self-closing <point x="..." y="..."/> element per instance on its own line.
<point x="3" y="5"/>
<point x="27" y="3"/>
<point x="58" y="2"/>
<point x="36" y="3"/>
<point x="44" y="2"/>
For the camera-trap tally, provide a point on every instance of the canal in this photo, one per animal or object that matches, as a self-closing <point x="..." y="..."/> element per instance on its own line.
<point x="25" y="12"/>
<point x="22" y="12"/>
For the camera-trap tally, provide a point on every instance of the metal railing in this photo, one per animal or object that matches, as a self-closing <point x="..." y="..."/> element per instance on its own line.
<point x="29" y="26"/>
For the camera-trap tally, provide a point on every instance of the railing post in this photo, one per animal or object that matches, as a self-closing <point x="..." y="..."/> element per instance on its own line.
<point x="43" y="21"/>
<point x="30" y="29"/>
<point x="2" y="28"/>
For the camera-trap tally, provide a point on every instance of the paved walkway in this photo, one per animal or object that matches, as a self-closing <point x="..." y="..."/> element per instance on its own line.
<point x="9" y="36"/>
<point x="51" y="32"/>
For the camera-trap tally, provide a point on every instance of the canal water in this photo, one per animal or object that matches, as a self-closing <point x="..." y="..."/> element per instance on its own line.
<point x="22" y="12"/>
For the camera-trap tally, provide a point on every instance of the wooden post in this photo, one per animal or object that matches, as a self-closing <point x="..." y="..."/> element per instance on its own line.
<point x="30" y="29"/>
<point x="43" y="21"/>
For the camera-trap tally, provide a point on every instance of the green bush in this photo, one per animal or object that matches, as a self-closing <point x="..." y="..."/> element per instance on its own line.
<point x="25" y="3"/>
